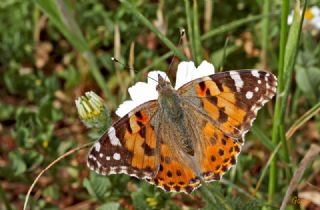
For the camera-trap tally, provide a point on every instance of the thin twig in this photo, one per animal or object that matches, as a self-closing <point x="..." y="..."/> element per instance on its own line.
<point x="49" y="166"/>
<point x="312" y="153"/>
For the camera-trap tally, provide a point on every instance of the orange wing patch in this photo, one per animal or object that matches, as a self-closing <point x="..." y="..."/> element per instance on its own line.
<point x="174" y="175"/>
<point x="221" y="106"/>
<point x="129" y="146"/>
<point x="219" y="154"/>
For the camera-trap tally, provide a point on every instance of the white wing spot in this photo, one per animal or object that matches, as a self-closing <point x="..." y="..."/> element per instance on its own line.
<point x="123" y="169"/>
<point x="267" y="86"/>
<point x="98" y="164"/>
<point x="255" y="73"/>
<point x="249" y="95"/>
<point x="237" y="79"/>
<point x="116" y="156"/>
<point x="113" y="170"/>
<point x="101" y="155"/>
<point x="113" y="138"/>
<point x="92" y="157"/>
<point x="107" y="157"/>
<point x="259" y="81"/>
<point x="256" y="89"/>
<point x="97" y="146"/>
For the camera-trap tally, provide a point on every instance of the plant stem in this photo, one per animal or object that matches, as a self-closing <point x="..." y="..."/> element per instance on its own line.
<point x="190" y="30"/>
<point x="277" y="120"/>
<point x="149" y="25"/>
<point x="233" y="25"/>
<point x="197" y="42"/>
<point x="265" y="33"/>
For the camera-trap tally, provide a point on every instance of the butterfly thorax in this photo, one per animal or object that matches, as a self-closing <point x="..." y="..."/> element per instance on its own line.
<point x="171" y="107"/>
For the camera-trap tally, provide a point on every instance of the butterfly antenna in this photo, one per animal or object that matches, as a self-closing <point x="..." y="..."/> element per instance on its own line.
<point x="128" y="67"/>
<point x="182" y="33"/>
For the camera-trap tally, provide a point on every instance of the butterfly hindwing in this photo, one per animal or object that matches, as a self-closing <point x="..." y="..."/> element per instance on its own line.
<point x="177" y="170"/>
<point x="215" y="152"/>
<point x="174" y="175"/>
<point x="129" y="146"/>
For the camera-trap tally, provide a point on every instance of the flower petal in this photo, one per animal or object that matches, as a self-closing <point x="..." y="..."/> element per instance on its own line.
<point x="205" y="69"/>
<point x="290" y="18"/>
<point x="126" y="107"/>
<point x="142" y="92"/>
<point x="187" y="72"/>
<point x="316" y="22"/>
<point x="315" y="11"/>
<point x="153" y="77"/>
<point x="184" y="73"/>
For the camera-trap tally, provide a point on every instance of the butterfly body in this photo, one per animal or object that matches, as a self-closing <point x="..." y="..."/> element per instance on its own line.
<point x="187" y="134"/>
<point x="170" y="104"/>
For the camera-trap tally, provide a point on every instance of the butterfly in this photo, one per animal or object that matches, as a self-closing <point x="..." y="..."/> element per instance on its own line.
<point x="179" y="137"/>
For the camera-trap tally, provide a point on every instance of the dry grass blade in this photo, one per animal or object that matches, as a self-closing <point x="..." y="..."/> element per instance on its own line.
<point x="208" y="10"/>
<point x="49" y="166"/>
<point x="117" y="46"/>
<point x="266" y="167"/>
<point x="302" y="120"/>
<point x="131" y="60"/>
<point x="308" y="158"/>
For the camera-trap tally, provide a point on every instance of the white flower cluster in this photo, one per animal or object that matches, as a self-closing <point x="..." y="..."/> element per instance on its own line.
<point x="311" y="18"/>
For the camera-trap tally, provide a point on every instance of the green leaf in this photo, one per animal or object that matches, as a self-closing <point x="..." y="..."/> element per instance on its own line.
<point x="52" y="191"/>
<point x="109" y="206"/>
<point x="6" y="111"/>
<point x="97" y="186"/>
<point x="71" y="75"/>
<point x="139" y="200"/>
<point x="18" y="165"/>
<point x="32" y="159"/>
<point x="233" y="25"/>
<point x="308" y="80"/>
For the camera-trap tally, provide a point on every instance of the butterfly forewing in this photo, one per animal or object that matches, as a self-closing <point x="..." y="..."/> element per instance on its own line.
<point x="129" y="146"/>
<point x="231" y="99"/>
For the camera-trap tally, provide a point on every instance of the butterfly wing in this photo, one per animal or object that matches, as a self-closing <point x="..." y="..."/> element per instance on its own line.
<point x="177" y="171"/>
<point x="129" y="146"/>
<point x="231" y="99"/>
<point x="215" y="152"/>
<point x="223" y="107"/>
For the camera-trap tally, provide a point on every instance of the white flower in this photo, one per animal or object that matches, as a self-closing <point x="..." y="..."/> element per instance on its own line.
<point x="89" y="105"/>
<point x="142" y="92"/>
<point x="92" y="110"/>
<point x="311" y="17"/>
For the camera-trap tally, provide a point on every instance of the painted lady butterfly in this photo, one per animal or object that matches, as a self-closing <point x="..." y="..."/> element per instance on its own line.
<point x="177" y="137"/>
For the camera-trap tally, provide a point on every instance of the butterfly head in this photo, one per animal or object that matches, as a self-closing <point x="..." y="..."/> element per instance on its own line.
<point x="163" y="86"/>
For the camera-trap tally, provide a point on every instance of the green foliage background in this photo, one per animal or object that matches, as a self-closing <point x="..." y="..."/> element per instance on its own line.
<point x="52" y="51"/>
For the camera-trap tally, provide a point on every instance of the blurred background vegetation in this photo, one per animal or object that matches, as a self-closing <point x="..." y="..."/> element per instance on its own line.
<point x="52" y="51"/>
